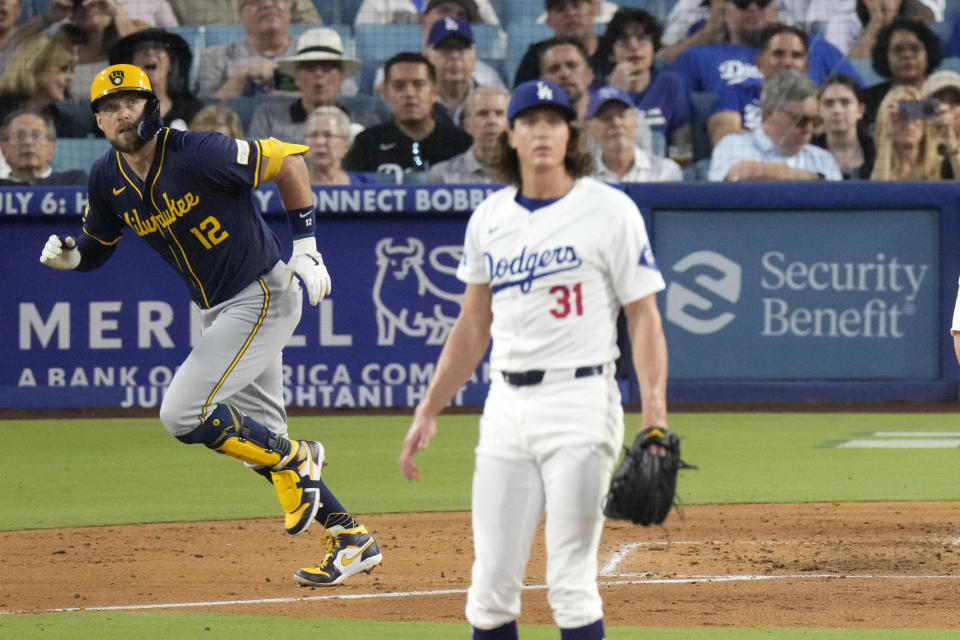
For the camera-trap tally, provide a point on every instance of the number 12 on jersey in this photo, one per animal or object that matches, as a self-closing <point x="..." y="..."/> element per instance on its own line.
<point x="564" y="304"/>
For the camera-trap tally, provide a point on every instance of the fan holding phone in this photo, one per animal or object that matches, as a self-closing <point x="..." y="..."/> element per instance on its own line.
<point x="909" y="144"/>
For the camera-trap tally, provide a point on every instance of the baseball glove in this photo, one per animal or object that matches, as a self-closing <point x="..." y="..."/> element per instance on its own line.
<point x="643" y="487"/>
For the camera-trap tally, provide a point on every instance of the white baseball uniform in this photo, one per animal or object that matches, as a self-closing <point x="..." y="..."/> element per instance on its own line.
<point x="558" y="277"/>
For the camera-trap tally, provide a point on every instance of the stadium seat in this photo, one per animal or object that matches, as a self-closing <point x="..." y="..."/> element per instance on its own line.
<point x="245" y="106"/>
<point x="658" y="144"/>
<point x="702" y="103"/>
<point x="331" y="12"/>
<point x="943" y="30"/>
<point x="216" y="34"/>
<point x="377" y="43"/>
<point x="348" y="9"/>
<point x="491" y="41"/>
<point x="950" y="64"/>
<point x="193" y="34"/>
<point x="381" y="41"/>
<point x="521" y="35"/>
<point x="697" y="172"/>
<point x="78" y="153"/>
<point x="659" y="9"/>
<point x="864" y="67"/>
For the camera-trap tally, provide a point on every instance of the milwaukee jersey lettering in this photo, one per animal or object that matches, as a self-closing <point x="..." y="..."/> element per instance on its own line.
<point x="195" y="208"/>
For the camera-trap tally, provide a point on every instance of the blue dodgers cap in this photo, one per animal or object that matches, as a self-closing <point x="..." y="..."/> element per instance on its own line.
<point x="604" y="95"/>
<point x="447" y="28"/>
<point x="538" y="93"/>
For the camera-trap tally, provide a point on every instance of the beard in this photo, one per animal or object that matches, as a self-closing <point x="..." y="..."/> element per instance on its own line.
<point x="124" y="145"/>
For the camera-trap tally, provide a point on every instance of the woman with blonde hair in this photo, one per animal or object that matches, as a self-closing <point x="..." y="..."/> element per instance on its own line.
<point x="220" y="118"/>
<point x="38" y="79"/>
<point x="907" y="144"/>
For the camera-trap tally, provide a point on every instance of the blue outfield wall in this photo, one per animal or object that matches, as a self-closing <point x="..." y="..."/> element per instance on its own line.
<point x="775" y="292"/>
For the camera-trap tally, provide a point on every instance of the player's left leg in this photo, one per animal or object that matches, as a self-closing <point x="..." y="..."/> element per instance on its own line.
<point x="586" y="421"/>
<point x="577" y="479"/>
<point x="349" y="547"/>
<point x="243" y="337"/>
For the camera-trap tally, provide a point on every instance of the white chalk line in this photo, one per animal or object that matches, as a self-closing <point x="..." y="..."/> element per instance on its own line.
<point x="607" y="571"/>
<point x="632" y="579"/>
<point x="609" y="568"/>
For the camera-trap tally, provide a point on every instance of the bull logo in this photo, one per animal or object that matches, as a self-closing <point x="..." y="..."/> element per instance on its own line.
<point x="405" y="297"/>
<point x="116" y="77"/>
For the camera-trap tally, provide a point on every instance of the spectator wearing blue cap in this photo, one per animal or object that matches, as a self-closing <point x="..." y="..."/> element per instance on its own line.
<point x="413" y="140"/>
<point x="450" y="48"/>
<point x="483" y="73"/>
<point x="613" y="126"/>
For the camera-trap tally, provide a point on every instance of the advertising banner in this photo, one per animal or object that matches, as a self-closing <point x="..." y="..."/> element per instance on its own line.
<point x="114" y="336"/>
<point x="834" y="295"/>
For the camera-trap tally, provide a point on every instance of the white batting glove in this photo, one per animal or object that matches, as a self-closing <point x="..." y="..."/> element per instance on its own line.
<point x="59" y="254"/>
<point x="307" y="263"/>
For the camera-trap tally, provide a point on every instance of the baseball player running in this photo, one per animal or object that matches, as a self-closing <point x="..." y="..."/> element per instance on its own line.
<point x="188" y="195"/>
<point x="548" y="262"/>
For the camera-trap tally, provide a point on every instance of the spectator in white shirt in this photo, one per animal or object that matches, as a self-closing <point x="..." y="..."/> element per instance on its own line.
<point x="779" y="149"/>
<point x="613" y="126"/>
<point x="484" y="118"/>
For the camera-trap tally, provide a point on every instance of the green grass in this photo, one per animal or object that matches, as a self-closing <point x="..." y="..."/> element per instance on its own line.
<point x="85" y="472"/>
<point x="216" y="626"/>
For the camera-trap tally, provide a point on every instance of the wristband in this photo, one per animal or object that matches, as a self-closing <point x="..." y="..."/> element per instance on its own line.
<point x="302" y="222"/>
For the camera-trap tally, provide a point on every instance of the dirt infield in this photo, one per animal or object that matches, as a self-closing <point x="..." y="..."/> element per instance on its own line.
<point x="873" y="565"/>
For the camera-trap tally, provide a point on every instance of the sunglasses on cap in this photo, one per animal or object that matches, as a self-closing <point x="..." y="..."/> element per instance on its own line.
<point x="743" y="4"/>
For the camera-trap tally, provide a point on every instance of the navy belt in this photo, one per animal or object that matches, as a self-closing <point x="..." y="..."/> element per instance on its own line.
<point x="535" y="376"/>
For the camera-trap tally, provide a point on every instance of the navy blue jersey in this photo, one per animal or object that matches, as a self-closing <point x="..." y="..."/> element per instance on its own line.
<point x="196" y="209"/>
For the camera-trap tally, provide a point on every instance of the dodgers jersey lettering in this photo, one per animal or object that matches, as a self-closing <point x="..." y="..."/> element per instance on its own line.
<point x="559" y="274"/>
<point x="195" y="208"/>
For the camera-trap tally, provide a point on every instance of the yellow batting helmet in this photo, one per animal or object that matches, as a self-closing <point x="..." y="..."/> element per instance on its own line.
<point x="116" y="78"/>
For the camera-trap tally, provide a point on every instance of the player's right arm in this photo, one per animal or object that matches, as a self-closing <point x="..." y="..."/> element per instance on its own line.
<point x="649" y="351"/>
<point x="97" y="242"/>
<point x="460" y="357"/>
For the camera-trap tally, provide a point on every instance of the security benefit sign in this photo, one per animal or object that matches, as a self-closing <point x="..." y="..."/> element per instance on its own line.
<point x="786" y="295"/>
<point x="115" y="336"/>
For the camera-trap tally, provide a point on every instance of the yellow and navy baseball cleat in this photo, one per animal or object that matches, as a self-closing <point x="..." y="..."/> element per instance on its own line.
<point x="297" y="481"/>
<point x="348" y="553"/>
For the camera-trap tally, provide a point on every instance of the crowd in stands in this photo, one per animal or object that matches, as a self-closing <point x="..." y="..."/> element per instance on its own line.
<point x="665" y="90"/>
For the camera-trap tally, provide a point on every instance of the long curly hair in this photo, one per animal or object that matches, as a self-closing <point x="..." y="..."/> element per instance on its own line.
<point x="578" y="162"/>
<point x="891" y="164"/>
